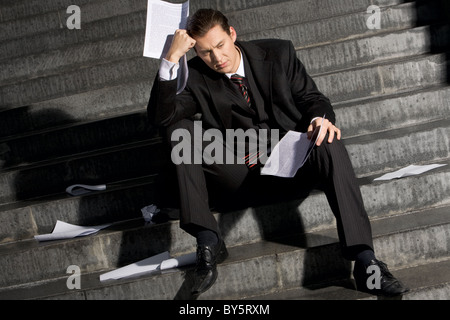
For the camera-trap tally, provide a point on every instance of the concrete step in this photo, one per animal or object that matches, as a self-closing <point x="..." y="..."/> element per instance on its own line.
<point x="353" y="119"/>
<point x="80" y="80"/>
<point x="72" y="139"/>
<point x="113" y="101"/>
<point x="394" y="149"/>
<point x="315" y="59"/>
<point x="33" y="64"/>
<point x="324" y="58"/>
<point x="353" y="83"/>
<point x="401" y="120"/>
<point x="392" y="111"/>
<point x="70" y="58"/>
<point x="386" y="78"/>
<point x="394" y="15"/>
<point x="53" y="16"/>
<point x="100" y="19"/>
<point x="310" y="32"/>
<point x="123" y="201"/>
<point x="369" y="154"/>
<point x="382" y="199"/>
<point x="265" y="266"/>
<point x="97" y="167"/>
<point x="374" y="49"/>
<point x="267" y="18"/>
<point x="360" y="117"/>
<point x="58" y="38"/>
<point x="24" y="19"/>
<point x="428" y="281"/>
<point x="18" y="9"/>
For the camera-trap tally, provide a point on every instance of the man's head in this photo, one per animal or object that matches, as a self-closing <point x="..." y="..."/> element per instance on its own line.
<point x="214" y="40"/>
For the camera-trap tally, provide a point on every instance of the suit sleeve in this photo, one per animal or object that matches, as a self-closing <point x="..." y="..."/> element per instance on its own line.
<point x="165" y="106"/>
<point x="307" y="97"/>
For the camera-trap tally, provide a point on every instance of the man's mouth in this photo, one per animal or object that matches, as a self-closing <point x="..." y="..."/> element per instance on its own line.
<point x="221" y="66"/>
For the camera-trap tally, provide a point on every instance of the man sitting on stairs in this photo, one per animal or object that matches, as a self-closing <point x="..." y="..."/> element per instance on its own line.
<point x="259" y="85"/>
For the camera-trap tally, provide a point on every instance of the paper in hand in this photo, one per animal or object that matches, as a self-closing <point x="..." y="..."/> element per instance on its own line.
<point x="290" y="154"/>
<point x="163" y="19"/>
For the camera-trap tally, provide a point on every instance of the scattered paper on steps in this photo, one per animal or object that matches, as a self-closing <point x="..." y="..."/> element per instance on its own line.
<point x="409" y="171"/>
<point x="159" y="262"/>
<point x="64" y="230"/>
<point x="148" y="212"/>
<point x="80" y="189"/>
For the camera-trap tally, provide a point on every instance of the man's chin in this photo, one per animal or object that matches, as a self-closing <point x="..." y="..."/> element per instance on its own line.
<point x="222" y="70"/>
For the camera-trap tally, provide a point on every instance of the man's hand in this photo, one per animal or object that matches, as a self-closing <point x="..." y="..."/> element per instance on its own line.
<point x="314" y="129"/>
<point x="181" y="44"/>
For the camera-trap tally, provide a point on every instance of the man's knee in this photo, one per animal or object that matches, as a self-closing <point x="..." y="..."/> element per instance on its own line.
<point x="184" y="125"/>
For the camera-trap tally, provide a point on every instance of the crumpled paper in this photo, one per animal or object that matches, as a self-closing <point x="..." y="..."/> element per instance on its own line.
<point x="149" y="212"/>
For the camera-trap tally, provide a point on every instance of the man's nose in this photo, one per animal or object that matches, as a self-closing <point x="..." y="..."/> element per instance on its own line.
<point x="216" y="57"/>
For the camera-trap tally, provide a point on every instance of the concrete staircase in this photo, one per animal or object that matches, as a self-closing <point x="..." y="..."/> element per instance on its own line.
<point x="72" y="110"/>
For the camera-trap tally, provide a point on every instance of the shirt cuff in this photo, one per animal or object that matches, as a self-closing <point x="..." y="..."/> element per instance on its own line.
<point x="168" y="70"/>
<point x="314" y="119"/>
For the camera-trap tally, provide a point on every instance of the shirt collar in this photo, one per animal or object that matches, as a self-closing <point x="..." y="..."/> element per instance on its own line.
<point x="240" y="71"/>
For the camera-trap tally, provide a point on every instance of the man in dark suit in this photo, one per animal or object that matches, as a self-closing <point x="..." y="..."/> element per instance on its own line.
<point x="272" y="91"/>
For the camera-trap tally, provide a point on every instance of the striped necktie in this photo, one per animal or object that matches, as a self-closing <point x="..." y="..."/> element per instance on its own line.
<point x="239" y="80"/>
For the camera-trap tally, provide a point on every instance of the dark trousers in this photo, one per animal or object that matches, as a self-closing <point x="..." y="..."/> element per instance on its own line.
<point x="328" y="169"/>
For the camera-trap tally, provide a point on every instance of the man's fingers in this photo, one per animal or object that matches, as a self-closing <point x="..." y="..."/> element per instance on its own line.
<point x="321" y="137"/>
<point x="310" y="131"/>
<point x="333" y="132"/>
<point x="328" y="127"/>
<point x="181" y="44"/>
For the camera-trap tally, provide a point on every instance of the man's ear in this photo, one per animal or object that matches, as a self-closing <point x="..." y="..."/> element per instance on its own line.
<point x="233" y="34"/>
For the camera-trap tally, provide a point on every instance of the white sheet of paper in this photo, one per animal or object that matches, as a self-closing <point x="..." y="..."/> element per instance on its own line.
<point x="148" y="212"/>
<point x="134" y="269"/>
<point x="161" y="261"/>
<point x="290" y="154"/>
<point x="180" y="261"/>
<point x="64" y="230"/>
<point x="409" y="171"/>
<point x="80" y="189"/>
<point x="163" y="19"/>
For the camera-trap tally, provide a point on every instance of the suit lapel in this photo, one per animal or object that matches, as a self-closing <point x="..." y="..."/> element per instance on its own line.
<point x="224" y="95"/>
<point x="222" y="91"/>
<point x="259" y="72"/>
<point x="220" y="94"/>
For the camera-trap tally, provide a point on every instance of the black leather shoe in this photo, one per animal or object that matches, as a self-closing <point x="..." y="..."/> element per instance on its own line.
<point x="206" y="267"/>
<point x="386" y="285"/>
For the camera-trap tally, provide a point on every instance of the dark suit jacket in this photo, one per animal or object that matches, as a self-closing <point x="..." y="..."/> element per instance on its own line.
<point x="286" y="92"/>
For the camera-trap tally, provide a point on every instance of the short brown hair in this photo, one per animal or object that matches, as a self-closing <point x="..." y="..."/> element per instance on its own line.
<point x="204" y="20"/>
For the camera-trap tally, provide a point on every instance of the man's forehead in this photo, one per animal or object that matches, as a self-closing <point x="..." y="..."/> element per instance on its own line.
<point x="203" y="45"/>
<point x="213" y="37"/>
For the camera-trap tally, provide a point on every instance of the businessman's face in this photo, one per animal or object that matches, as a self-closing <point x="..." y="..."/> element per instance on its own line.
<point x="216" y="48"/>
